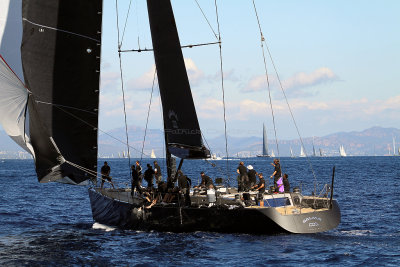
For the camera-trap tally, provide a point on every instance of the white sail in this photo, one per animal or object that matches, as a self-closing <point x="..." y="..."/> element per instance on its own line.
<point x="394" y="146"/>
<point x="302" y="154"/>
<point x="13" y="102"/>
<point x="13" y="94"/>
<point x="342" y="151"/>
<point x="272" y="154"/>
<point x="153" y="156"/>
<point x="291" y="152"/>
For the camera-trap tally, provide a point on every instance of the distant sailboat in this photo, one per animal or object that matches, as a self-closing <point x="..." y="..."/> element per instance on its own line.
<point x="342" y="152"/>
<point x="291" y="153"/>
<point x="394" y="146"/>
<point x="215" y="157"/>
<point x="265" y="145"/>
<point x="153" y="156"/>
<point x="313" y="148"/>
<point x="320" y="152"/>
<point x="272" y="154"/>
<point x="302" y="154"/>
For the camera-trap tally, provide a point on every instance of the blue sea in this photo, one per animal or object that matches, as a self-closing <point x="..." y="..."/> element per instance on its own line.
<point x="51" y="224"/>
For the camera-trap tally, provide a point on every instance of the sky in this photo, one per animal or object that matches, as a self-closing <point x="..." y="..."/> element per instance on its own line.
<point x="338" y="63"/>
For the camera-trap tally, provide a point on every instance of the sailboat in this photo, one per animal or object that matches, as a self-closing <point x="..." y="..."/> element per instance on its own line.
<point x="152" y="155"/>
<point x="342" y="152"/>
<point x="272" y="153"/>
<point x="302" y="154"/>
<point x="313" y="148"/>
<point x="265" y="145"/>
<point x="291" y="153"/>
<point x="60" y="94"/>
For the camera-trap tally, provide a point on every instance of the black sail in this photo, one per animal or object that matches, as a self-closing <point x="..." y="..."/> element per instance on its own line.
<point x="182" y="130"/>
<point x="61" y="64"/>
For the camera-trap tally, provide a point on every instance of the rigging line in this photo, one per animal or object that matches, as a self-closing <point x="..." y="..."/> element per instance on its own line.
<point x="148" y="113"/>
<point x="290" y="110"/>
<point x="126" y="124"/>
<point x="268" y="83"/>
<point x="287" y="102"/>
<point x="205" y="17"/>
<point x="123" y="92"/>
<point x="94" y="173"/>
<point x="48" y="103"/>
<point x="183" y="46"/>
<point x="126" y="21"/>
<point x="55" y="29"/>
<point x="162" y="119"/>
<point x="223" y="92"/>
<point x="122" y="142"/>
<point x="117" y="17"/>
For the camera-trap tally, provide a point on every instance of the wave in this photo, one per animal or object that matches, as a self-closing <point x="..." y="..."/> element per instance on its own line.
<point x="103" y="227"/>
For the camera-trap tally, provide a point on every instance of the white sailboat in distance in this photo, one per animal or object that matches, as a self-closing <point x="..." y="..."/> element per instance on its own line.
<point x="342" y="152"/>
<point x="302" y="154"/>
<point x="153" y="155"/>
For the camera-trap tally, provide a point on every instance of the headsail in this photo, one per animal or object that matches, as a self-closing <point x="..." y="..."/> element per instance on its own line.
<point x="182" y="130"/>
<point x="61" y="64"/>
<point x="13" y="106"/>
<point x="11" y="34"/>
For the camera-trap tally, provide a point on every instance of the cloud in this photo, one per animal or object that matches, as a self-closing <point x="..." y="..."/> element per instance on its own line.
<point x="298" y="85"/>
<point x="145" y="81"/>
<point x="196" y="76"/>
<point x="108" y="80"/>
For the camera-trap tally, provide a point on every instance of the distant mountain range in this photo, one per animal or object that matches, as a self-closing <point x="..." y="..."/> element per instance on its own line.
<point x="373" y="141"/>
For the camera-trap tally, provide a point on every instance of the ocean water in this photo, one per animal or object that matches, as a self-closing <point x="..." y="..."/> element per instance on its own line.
<point x="51" y="224"/>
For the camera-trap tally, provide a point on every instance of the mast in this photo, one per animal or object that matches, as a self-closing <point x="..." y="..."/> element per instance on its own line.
<point x="181" y="127"/>
<point x="265" y="142"/>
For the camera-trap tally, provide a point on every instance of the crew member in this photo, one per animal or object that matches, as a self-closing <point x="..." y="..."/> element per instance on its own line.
<point x="277" y="173"/>
<point x="105" y="174"/>
<point x="157" y="172"/>
<point x="205" y="181"/>
<point x="286" y="183"/>
<point x="242" y="177"/>
<point x="135" y="181"/>
<point x="148" y="176"/>
<point x="261" y="184"/>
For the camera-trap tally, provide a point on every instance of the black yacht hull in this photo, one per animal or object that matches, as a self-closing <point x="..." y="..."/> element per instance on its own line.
<point x="267" y="220"/>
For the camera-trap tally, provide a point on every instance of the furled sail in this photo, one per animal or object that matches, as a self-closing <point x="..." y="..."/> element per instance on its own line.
<point x="182" y="130"/>
<point x="61" y="64"/>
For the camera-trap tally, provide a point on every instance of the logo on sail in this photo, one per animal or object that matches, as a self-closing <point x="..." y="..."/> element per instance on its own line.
<point x="173" y="119"/>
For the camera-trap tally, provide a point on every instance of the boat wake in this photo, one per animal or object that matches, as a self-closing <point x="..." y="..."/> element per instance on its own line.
<point x="103" y="227"/>
<point x="357" y="232"/>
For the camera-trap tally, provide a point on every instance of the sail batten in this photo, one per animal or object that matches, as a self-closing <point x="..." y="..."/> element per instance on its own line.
<point x="182" y="131"/>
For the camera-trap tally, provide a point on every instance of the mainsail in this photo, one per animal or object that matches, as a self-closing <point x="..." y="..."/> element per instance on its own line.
<point x="60" y="54"/>
<point x="182" y="131"/>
